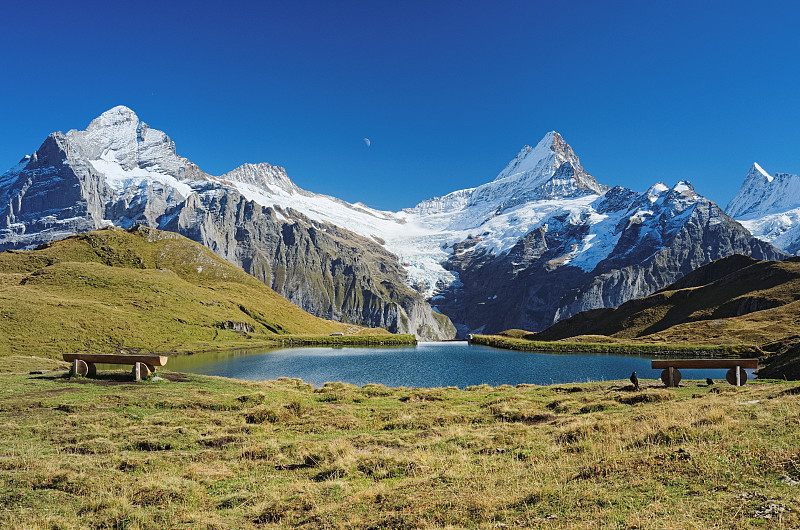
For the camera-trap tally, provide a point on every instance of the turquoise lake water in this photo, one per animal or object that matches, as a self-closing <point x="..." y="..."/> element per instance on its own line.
<point x="434" y="364"/>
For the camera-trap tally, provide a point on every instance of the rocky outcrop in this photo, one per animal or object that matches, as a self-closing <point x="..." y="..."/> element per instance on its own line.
<point x="328" y="271"/>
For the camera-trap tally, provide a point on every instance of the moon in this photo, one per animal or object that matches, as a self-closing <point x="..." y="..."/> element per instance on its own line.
<point x="367" y="142"/>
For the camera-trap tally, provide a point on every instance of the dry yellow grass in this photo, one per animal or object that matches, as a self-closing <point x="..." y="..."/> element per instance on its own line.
<point x="202" y="452"/>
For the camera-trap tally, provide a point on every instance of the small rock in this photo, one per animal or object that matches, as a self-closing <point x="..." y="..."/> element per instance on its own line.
<point x="38" y="372"/>
<point x="768" y="511"/>
<point x="748" y="495"/>
<point x="786" y="479"/>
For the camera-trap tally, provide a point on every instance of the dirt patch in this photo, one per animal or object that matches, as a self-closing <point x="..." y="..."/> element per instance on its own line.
<point x="48" y="393"/>
<point x="120" y="378"/>
<point x="219" y="443"/>
<point x="537" y="419"/>
<point x="101" y="380"/>
<point x="644" y="397"/>
<point x="568" y="389"/>
<point x="790" y="392"/>
<point x="176" y="377"/>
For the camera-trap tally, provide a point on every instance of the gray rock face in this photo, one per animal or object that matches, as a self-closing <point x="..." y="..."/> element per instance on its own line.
<point x="120" y="171"/>
<point x="328" y="271"/>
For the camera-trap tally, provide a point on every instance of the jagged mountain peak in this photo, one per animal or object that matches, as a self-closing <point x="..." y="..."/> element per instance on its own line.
<point x="532" y="158"/>
<point x="114" y="117"/>
<point x="684" y="187"/>
<point x="762" y="194"/>
<point x="657" y="189"/>
<point x="758" y="171"/>
<point x="549" y="170"/>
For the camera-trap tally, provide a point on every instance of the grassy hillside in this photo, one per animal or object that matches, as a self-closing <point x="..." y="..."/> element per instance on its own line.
<point x="736" y="300"/>
<point x="206" y="452"/>
<point x="140" y="289"/>
<point x="599" y="344"/>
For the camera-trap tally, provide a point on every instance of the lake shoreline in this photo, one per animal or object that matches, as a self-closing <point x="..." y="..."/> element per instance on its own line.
<point x="690" y="350"/>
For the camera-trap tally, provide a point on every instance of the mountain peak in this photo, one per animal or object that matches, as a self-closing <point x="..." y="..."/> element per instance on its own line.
<point x="551" y="150"/>
<point x="757" y="171"/>
<point x="113" y="117"/>
<point x="762" y="193"/>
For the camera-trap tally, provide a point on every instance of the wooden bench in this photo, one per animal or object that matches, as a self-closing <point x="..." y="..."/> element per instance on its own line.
<point x="736" y="368"/>
<point x="143" y="365"/>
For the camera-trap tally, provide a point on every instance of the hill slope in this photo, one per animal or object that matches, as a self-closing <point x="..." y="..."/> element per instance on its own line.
<point x="733" y="300"/>
<point x="137" y="289"/>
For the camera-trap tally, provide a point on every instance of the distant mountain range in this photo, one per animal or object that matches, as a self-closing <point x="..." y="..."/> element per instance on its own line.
<point x="540" y="242"/>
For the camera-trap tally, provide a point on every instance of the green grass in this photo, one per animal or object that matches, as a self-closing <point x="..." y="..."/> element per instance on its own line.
<point x="735" y="300"/>
<point x="521" y="344"/>
<point x="350" y="340"/>
<point x="208" y="452"/>
<point x="142" y="290"/>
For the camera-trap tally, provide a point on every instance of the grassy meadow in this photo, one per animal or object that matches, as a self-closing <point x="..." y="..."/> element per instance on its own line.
<point x="204" y="452"/>
<point x="144" y="290"/>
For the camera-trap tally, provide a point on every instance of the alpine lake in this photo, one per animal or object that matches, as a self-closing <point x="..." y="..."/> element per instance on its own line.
<point x="426" y="365"/>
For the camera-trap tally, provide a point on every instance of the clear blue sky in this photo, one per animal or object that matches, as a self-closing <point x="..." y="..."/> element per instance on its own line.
<point x="448" y="92"/>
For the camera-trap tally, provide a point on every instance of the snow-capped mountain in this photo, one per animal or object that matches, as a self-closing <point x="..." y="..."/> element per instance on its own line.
<point x="120" y="171"/>
<point x="541" y="241"/>
<point x="769" y="206"/>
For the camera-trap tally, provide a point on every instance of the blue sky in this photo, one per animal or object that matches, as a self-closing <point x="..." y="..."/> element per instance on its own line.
<point x="447" y="92"/>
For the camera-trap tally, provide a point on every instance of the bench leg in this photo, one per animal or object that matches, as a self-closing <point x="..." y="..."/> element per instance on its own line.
<point x="140" y="371"/>
<point x="79" y="368"/>
<point x="671" y="376"/>
<point x="92" y="370"/>
<point x="736" y="376"/>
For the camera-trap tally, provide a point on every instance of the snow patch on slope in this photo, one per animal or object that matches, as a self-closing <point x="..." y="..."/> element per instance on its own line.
<point x="122" y="179"/>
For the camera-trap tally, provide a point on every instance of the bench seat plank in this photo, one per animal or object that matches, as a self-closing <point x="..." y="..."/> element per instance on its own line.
<point x="704" y="363"/>
<point x="110" y="358"/>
